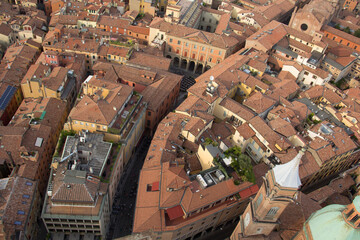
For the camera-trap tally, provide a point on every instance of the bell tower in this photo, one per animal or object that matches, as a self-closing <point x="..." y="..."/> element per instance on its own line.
<point x="278" y="190"/>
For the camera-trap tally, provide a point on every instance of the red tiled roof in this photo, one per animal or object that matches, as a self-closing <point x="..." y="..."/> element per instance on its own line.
<point x="175" y="212"/>
<point x="249" y="191"/>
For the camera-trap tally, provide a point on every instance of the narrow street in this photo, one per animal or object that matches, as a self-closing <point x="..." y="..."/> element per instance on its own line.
<point x="122" y="215"/>
<point x="222" y="234"/>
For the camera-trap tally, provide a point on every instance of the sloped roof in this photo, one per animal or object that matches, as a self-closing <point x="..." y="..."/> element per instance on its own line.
<point x="102" y="111"/>
<point x="283" y="127"/>
<point x="259" y="102"/>
<point x="237" y="108"/>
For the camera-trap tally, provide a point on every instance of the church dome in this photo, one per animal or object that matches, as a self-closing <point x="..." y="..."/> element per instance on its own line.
<point x="336" y="222"/>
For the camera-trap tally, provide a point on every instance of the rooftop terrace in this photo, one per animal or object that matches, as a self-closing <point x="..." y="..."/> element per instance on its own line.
<point x="86" y="152"/>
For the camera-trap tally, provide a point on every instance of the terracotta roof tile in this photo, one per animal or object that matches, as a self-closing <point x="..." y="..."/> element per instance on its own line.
<point x="259" y="102"/>
<point x="283" y="127"/>
<point x="322" y="91"/>
<point x="237" y="108"/>
<point x="245" y="131"/>
<point x="101" y="111"/>
<point x="340" y="33"/>
<point x="221" y="41"/>
<point x="114" y="22"/>
<point x="148" y="60"/>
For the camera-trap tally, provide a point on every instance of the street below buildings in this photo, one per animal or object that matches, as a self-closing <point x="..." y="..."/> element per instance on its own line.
<point x="122" y="215"/>
<point x="222" y="234"/>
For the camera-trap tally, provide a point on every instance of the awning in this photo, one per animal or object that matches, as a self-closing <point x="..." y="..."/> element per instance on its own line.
<point x="175" y="212"/>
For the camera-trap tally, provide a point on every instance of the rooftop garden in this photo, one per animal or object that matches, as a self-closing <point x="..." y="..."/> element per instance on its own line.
<point x="128" y="43"/>
<point x="241" y="163"/>
<point x="310" y="120"/>
<point x="61" y="141"/>
<point x="240" y="166"/>
<point x="125" y="115"/>
<point x="341" y="84"/>
<point x="348" y="30"/>
<point x="209" y="141"/>
<point x="115" y="149"/>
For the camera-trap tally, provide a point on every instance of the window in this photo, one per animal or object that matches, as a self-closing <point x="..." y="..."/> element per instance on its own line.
<point x="203" y="49"/>
<point x="76" y="122"/>
<point x="20" y="212"/>
<point x="194" y="46"/>
<point x="179" y="42"/>
<point x="258" y="201"/>
<point x="169" y="49"/>
<point x="170" y="39"/>
<point x="81" y="123"/>
<point x="210" y="59"/>
<point x="314" y="77"/>
<point x="272" y="212"/>
<point x="219" y="52"/>
<point x="29" y="183"/>
<point x="104" y="127"/>
<point x="93" y="125"/>
<point x="211" y="50"/>
<point x="17" y="222"/>
<point x="306" y="73"/>
<point x="149" y="113"/>
<point x="186" y="44"/>
<point x="26" y="196"/>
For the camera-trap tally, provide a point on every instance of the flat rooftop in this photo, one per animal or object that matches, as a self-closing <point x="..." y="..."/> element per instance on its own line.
<point x="86" y="152"/>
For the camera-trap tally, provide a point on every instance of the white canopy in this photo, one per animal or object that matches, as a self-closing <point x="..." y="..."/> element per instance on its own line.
<point x="287" y="175"/>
